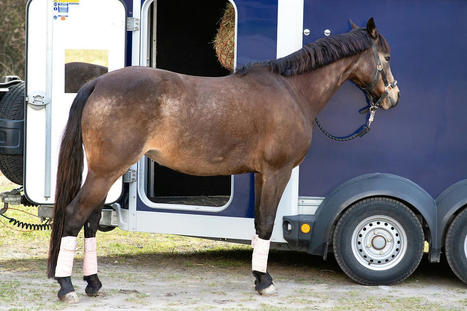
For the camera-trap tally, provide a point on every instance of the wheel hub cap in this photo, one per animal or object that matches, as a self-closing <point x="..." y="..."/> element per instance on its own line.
<point x="379" y="242"/>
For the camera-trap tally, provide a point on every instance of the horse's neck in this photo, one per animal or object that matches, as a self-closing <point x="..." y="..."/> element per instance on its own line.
<point x="316" y="87"/>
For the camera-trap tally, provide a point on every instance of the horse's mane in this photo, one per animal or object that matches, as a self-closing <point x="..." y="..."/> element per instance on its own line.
<point x="320" y="53"/>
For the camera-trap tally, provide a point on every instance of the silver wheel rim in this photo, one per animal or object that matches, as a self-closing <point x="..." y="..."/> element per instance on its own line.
<point x="465" y="246"/>
<point x="379" y="242"/>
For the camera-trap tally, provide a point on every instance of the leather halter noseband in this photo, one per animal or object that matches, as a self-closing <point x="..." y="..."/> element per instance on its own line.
<point x="370" y="110"/>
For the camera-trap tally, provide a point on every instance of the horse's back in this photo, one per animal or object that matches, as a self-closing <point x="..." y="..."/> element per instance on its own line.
<point x="197" y="125"/>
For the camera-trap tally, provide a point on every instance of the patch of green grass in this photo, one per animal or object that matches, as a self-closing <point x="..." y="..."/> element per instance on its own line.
<point x="9" y="290"/>
<point x="387" y="302"/>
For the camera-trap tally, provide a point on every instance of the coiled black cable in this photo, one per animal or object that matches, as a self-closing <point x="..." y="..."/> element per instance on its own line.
<point x="28" y="226"/>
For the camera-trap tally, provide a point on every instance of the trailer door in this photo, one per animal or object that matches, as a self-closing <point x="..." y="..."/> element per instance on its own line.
<point x="69" y="42"/>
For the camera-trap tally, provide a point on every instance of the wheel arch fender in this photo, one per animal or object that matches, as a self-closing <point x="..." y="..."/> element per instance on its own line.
<point x="365" y="186"/>
<point x="449" y="203"/>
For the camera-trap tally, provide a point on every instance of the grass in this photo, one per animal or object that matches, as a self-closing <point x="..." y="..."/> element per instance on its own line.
<point x="116" y="244"/>
<point x="196" y="274"/>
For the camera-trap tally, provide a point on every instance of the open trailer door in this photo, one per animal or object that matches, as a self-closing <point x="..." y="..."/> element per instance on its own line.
<point x="177" y="35"/>
<point x="69" y="42"/>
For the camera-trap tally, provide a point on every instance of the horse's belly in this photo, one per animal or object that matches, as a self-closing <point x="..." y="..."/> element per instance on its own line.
<point x="201" y="166"/>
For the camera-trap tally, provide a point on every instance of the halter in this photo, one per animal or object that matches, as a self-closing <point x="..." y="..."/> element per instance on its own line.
<point x="370" y="110"/>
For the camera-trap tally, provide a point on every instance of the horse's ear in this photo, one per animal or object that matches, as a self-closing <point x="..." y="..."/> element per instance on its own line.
<point x="371" y="28"/>
<point x="354" y="26"/>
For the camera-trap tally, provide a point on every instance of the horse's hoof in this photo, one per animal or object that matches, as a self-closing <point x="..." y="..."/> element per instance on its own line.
<point x="92" y="292"/>
<point x="268" y="291"/>
<point x="94" y="285"/>
<point x="69" y="298"/>
<point x="263" y="283"/>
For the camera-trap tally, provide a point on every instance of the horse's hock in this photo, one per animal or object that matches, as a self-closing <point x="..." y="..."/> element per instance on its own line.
<point x="224" y="42"/>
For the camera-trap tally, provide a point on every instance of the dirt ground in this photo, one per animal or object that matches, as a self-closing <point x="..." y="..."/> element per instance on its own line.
<point x="221" y="281"/>
<point x="142" y="271"/>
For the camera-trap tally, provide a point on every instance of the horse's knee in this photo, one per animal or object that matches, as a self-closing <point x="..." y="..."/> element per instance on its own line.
<point x="73" y="221"/>
<point x="264" y="228"/>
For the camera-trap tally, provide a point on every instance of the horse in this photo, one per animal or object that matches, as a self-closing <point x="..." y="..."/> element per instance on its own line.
<point x="258" y="119"/>
<point x="78" y="73"/>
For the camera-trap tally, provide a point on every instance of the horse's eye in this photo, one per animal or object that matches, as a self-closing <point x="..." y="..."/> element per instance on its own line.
<point x="388" y="58"/>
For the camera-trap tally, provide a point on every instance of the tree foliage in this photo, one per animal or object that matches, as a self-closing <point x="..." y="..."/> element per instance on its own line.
<point x="12" y="37"/>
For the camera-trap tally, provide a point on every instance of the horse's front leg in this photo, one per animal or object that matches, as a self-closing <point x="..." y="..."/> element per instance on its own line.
<point x="269" y="187"/>
<point x="90" y="254"/>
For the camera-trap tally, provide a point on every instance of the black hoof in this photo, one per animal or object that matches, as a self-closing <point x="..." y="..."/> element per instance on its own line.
<point x="263" y="283"/>
<point x="94" y="285"/>
<point x="66" y="287"/>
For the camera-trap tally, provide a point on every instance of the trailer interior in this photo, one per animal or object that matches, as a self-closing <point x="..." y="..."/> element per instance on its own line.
<point x="180" y="39"/>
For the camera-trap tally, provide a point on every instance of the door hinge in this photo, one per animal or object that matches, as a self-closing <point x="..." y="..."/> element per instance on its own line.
<point x="132" y="24"/>
<point x="130" y="176"/>
<point x="37" y="101"/>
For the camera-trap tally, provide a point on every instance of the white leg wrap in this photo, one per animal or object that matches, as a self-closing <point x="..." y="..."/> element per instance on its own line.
<point x="259" y="262"/>
<point x="90" y="257"/>
<point x="65" y="257"/>
<point x="253" y="240"/>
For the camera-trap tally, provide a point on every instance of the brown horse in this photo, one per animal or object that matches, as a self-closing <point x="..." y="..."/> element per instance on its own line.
<point x="259" y="120"/>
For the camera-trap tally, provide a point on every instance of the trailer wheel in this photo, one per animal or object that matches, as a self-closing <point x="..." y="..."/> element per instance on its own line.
<point x="456" y="246"/>
<point x="103" y="228"/>
<point x="378" y="241"/>
<point x="12" y="108"/>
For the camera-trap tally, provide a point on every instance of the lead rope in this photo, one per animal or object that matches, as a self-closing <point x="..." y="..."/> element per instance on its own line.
<point x="358" y="133"/>
<point x="362" y="130"/>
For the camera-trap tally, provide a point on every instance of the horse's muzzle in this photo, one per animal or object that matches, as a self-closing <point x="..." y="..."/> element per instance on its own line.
<point x="397" y="101"/>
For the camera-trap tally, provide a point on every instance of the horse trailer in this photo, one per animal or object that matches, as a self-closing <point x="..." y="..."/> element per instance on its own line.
<point x="369" y="201"/>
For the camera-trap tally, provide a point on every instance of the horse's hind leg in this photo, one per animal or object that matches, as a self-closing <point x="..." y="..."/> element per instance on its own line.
<point x="271" y="186"/>
<point x="90" y="253"/>
<point x="87" y="202"/>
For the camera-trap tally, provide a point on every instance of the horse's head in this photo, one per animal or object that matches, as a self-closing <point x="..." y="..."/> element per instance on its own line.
<point x="373" y="71"/>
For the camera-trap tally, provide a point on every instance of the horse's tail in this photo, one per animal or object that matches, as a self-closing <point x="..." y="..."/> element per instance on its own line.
<point x="69" y="174"/>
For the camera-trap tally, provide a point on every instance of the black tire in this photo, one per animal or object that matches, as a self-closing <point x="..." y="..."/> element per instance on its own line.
<point x="395" y="248"/>
<point x="456" y="246"/>
<point x="12" y="108"/>
<point x="103" y="228"/>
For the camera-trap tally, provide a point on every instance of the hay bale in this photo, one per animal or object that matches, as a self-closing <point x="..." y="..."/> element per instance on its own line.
<point x="225" y="38"/>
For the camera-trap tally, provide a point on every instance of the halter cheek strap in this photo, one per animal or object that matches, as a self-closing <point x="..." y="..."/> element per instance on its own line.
<point x="373" y="106"/>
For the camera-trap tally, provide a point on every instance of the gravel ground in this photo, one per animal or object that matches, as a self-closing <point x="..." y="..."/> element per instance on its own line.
<point x="221" y="280"/>
<point x="141" y="271"/>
